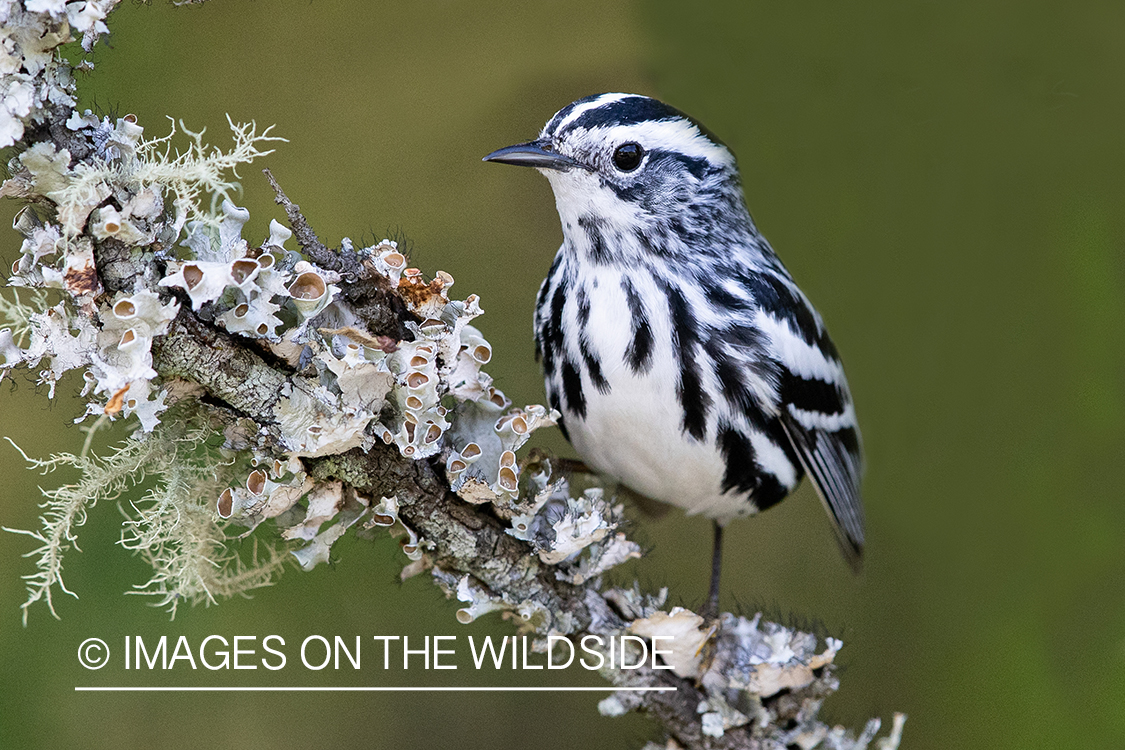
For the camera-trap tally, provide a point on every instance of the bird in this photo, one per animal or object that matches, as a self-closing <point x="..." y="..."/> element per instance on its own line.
<point x="684" y="360"/>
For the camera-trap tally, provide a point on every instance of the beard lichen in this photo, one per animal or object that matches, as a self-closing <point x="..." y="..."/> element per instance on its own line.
<point x="200" y="169"/>
<point x="177" y="466"/>
<point x="15" y="315"/>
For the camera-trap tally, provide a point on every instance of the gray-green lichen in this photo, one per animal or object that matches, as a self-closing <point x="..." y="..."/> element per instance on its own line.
<point x="168" y="525"/>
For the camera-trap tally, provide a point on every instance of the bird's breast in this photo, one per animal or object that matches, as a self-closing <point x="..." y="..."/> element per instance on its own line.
<point x="607" y="335"/>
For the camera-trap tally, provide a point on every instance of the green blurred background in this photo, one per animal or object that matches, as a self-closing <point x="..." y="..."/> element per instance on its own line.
<point x="946" y="181"/>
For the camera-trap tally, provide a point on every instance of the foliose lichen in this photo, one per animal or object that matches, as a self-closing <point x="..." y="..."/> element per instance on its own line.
<point x="352" y="387"/>
<point x="32" y="78"/>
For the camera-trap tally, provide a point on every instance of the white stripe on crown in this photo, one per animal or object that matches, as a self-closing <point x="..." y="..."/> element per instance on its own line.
<point x="586" y="107"/>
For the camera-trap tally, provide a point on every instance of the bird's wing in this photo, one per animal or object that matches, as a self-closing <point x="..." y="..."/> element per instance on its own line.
<point x="815" y="408"/>
<point x="835" y="467"/>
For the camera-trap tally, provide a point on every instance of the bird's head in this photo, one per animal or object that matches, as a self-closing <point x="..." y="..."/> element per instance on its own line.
<point x="626" y="160"/>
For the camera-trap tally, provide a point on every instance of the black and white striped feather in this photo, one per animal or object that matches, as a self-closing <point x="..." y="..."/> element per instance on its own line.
<point x="683" y="357"/>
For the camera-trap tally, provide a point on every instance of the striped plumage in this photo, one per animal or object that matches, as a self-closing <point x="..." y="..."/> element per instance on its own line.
<point x="685" y="361"/>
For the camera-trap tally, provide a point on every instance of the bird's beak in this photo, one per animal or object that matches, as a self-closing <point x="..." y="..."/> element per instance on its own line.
<point x="534" y="154"/>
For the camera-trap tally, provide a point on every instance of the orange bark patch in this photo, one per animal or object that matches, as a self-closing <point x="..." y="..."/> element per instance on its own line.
<point x="116" y="402"/>
<point x="83" y="281"/>
<point x="417" y="292"/>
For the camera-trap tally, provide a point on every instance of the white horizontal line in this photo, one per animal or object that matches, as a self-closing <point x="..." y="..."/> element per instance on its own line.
<point x="312" y="689"/>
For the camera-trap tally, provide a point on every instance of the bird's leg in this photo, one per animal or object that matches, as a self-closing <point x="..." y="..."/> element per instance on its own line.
<point x="711" y="610"/>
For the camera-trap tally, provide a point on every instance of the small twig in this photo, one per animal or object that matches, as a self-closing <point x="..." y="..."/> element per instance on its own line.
<point x="313" y="248"/>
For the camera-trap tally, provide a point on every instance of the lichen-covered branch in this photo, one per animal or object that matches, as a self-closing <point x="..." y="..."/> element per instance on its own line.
<point x="323" y="390"/>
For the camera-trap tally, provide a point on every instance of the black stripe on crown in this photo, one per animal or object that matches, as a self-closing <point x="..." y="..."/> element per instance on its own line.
<point x="562" y="114"/>
<point x="631" y="110"/>
<point x="628" y="111"/>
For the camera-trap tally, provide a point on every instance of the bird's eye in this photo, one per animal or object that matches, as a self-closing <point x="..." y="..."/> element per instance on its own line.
<point x="628" y="156"/>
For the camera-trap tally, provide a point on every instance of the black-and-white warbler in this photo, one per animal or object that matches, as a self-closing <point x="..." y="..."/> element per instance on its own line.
<point x="685" y="361"/>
